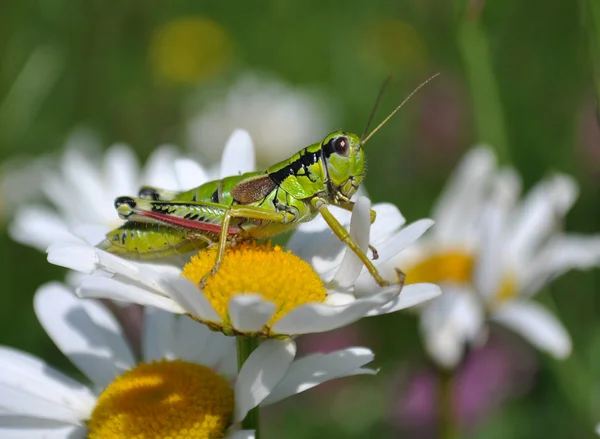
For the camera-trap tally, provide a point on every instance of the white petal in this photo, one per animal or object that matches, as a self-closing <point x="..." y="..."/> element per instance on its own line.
<point x="489" y="269"/>
<point x="458" y="206"/>
<point x="189" y="173"/>
<point x="92" y="234"/>
<point x="312" y="370"/>
<point x="449" y="323"/>
<point x="158" y="334"/>
<point x="536" y="324"/>
<point x="321" y="317"/>
<point x="249" y="312"/>
<point x="238" y="156"/>
<point x="28" y="386"/>
<point x="79" y="180"/>
<point x="315" y="242"/>
<point x="389" y="220"/>
<point x="365" y="284"/>
<point x="562" y="253"/>
<point x="84" y="331"/>
<point x="196" y="343"/>
<point x="241" y="434"/>
<point x="121" y="171"/>
<point x="540" y="214"/>
<point x="402" y="239"/>
<point x="190" y="298"/>
<point x="75" y="257"/>
<point x="23" y="427"/>
<point x="228" y="365"/>
<point x="261" y="372"/>
<point x="107" y="288"/>
<point x="410" y="295"/>
<point x="159" y="171"/>
<point x="38" y="227"/>
<point x="351" y="265"/>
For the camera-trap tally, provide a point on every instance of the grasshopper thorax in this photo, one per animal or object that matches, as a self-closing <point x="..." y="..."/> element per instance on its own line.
<point x="344" y="162"/>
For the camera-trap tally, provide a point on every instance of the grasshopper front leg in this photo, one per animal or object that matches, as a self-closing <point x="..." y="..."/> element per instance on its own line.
<point x="349" y="206"/>
<point x="344" y="236"/>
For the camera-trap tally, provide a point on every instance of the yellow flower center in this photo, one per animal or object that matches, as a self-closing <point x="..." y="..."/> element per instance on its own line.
<point x="444" y="267"/>
<point x="277" y="275"/>
<point x="507" y="291"/>
<point x="190" y="49"/>
<point x="165" y="399"/>
<point x="455" y="267"/>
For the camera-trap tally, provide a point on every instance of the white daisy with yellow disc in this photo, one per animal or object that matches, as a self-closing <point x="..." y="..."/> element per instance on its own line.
<point x="185" y="385"/>
<point x="491" y="251"/>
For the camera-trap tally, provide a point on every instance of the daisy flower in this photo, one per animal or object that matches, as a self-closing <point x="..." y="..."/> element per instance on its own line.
<point x="260" y="290"/>
<point x="81" y="192"/>
<point x="279" y="117"/>
<point x="185" y="386"/>
<point x="491" y="252"/>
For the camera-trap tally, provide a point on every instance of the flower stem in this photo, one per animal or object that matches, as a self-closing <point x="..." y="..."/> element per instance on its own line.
<point x="245" y="347"/>
<point x="447" y="422"/>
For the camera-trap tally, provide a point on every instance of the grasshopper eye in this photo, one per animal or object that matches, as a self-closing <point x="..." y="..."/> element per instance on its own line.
<point x="341" y="145"/>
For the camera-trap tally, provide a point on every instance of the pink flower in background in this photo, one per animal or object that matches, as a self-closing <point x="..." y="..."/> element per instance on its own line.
<point x="589" y="137"/>
<point x="502" y="369"/>
<point x="442" y="123"/>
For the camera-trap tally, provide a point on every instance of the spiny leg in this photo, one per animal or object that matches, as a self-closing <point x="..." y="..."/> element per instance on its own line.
<point x="349" y="206"/>
<point x="344" y="236"/>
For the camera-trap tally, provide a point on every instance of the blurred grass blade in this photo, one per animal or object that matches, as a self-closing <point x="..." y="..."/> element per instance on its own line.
<point x="592" y="23"/>
<point x="29" y="90"/>
<point x="488" y="114"/>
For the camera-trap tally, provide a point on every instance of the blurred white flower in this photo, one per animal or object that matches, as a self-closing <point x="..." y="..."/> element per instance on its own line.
<point x="185" y="384"/>
<point x="80" y="194"/>
<point x="281" y="119"/>
<point x="490" y="252"/>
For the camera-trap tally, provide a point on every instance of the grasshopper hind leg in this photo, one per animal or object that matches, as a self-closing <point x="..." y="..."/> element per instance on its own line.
<point x="147" y="241"/>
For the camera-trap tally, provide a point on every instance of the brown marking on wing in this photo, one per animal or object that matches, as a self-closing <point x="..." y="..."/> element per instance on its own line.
<point x="253" y="189"/>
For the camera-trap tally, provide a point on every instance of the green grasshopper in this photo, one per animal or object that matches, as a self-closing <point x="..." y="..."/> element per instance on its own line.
<point x="161" y="223"/>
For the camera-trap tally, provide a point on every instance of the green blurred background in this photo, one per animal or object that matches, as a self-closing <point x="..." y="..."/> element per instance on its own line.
<point x="518" y="75"/>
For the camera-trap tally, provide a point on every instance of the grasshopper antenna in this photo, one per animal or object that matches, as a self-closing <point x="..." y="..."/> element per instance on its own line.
<point x="397" y="108"/>
<point x="377" y="101"/>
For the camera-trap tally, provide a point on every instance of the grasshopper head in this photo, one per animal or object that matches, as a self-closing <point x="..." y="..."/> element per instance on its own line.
<point x="344" y="162"/>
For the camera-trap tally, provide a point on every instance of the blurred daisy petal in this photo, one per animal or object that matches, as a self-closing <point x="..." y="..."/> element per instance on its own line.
<point x="449" y="323"/>
<point x="238" y="156"/>
<point x="189" y="173"/>
<point x="537" y="325"/>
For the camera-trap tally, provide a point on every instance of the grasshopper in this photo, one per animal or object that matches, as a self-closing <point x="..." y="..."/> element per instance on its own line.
<point x="161" y="223"/>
